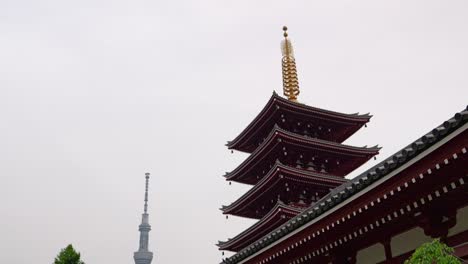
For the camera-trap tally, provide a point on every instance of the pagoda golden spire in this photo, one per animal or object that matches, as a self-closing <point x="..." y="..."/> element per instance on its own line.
<point x="290" y="82"/>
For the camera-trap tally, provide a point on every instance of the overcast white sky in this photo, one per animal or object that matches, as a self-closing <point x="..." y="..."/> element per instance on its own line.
<point x="95" y="93"/>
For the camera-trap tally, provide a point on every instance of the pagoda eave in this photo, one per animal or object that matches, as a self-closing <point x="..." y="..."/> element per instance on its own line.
<point x="348" y="124"/>
<point x="277" y="216"/>
<point x="278" y="176"/>
<point x="279" y="137"/>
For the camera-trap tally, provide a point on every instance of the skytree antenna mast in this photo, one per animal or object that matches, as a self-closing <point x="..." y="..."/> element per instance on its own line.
<point x="143" y="255"/>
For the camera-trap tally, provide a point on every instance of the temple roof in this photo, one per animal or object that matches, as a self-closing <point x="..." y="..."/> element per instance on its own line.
<point x="277" y="216"/>
<point x="356" y="185"/>
<point x="353" y="157"/>
<point x="248" y="139"/>
<point x="278" y="175"/>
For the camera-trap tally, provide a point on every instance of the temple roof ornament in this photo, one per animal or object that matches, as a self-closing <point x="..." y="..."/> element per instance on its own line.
<point x="288" y="63"/>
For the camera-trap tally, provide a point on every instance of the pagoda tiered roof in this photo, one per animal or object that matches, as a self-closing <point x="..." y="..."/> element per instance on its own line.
<point x="324" y="124"/>
<point x="276" y="183"/>
<point x="379" y="176"/>
<point x="345" y="158"/>
<point x="277" y="216"/>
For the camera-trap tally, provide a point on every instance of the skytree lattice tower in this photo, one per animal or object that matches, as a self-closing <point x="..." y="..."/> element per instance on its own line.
<point x="143" y="255"/>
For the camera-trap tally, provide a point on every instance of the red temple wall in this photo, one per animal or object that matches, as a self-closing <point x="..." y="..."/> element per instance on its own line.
<point x="402" y="245"/>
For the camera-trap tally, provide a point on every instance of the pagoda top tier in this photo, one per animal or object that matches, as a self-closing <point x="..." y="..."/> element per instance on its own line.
<point x="298" y="118"/>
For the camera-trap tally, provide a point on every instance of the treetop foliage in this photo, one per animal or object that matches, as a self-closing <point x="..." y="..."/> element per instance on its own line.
<point x="68" y="255"/>
<point x="433" y="252"/>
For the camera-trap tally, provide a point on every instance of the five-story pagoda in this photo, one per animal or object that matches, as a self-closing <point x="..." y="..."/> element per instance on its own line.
<point x="296" y="157"/>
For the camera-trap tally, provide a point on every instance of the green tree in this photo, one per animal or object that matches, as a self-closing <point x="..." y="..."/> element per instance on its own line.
<point x="433" y="252"/>
<point x="68" y="255"/>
